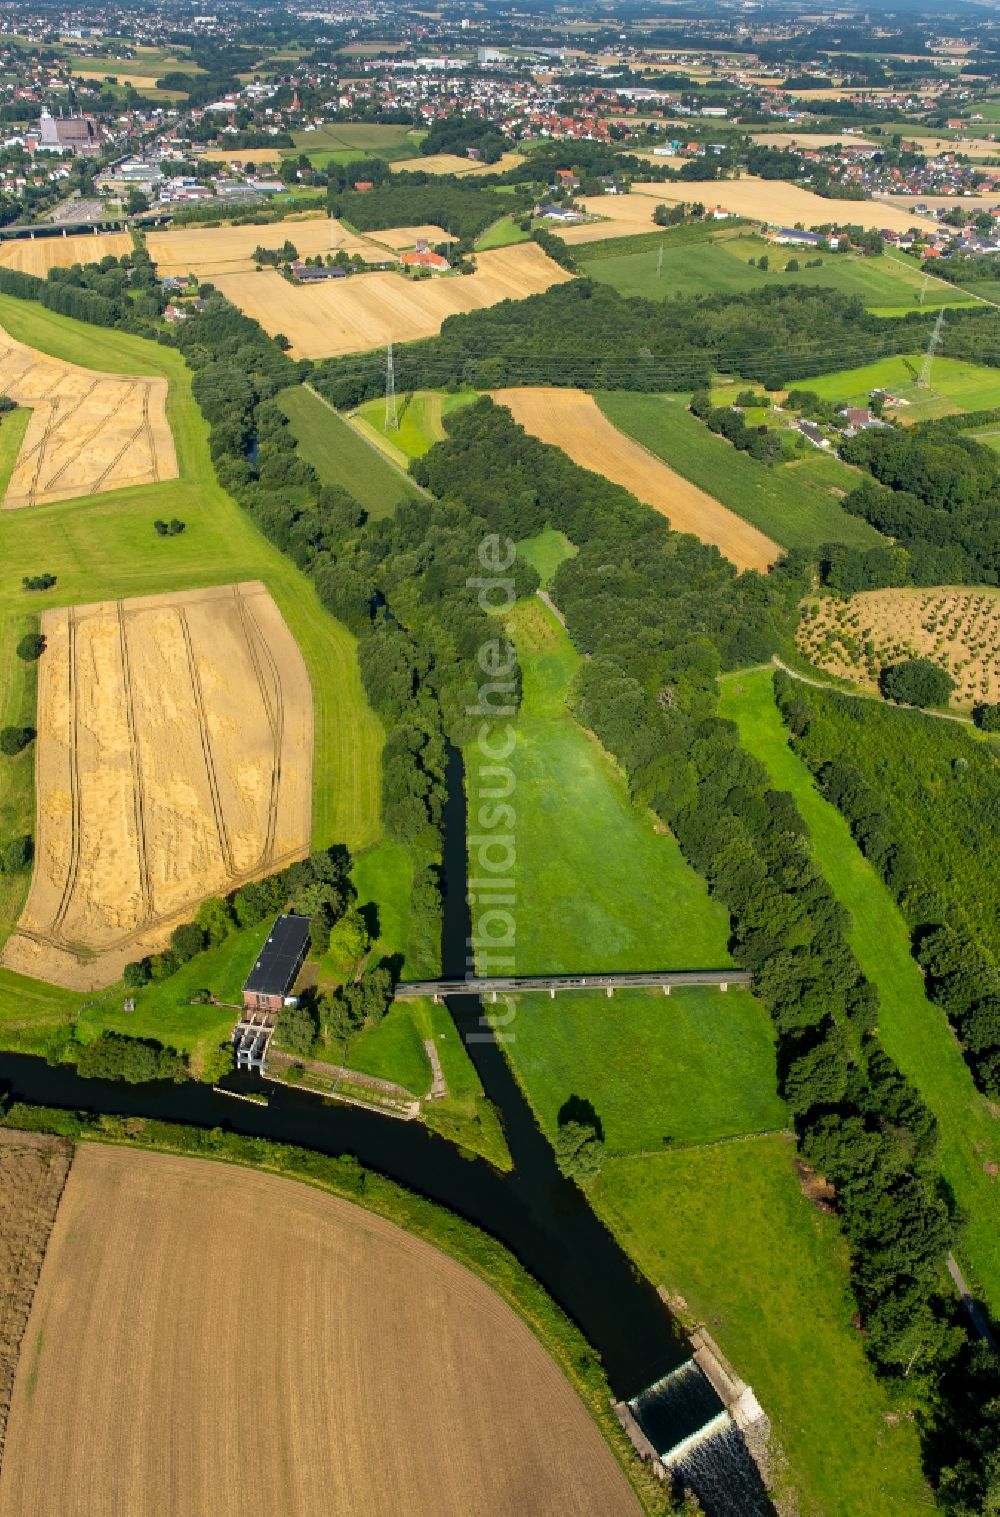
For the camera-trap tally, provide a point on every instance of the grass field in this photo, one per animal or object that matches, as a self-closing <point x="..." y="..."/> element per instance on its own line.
<point x="954" y="386"/>
<point x="694" y="1066"/>
<point x="546" y="551"/>
<point x="419" y="414"/>
<point x="915" y="1033"/>
<point x="104" y="547"/>
<point x="794" y="503"/>
<point x="284" y="1410"/>
<point x="722" y="267"/>
<point x="599" y="888"/>
<point x="358" y="139"/>
<point x="12" y="429"/>
<point x="340" y="456"/>
<point x="727" y="1228"/>
<point x="502" y="234"/>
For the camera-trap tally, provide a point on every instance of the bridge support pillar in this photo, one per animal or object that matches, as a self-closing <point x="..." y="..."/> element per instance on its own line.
<point x="437" y="999"/>
<point x="493" y="998"/>
<point x="611" y="991"/>
<point x="552" y="994"/>
<point x="666" y="990"/>
<point x="723" y="986"/>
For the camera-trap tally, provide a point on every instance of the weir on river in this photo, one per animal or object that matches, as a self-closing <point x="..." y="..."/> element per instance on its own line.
<point x="542" y="1217"/>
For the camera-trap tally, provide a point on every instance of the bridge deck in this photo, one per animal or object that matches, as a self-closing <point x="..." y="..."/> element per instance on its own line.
<point x="554" y="983"/>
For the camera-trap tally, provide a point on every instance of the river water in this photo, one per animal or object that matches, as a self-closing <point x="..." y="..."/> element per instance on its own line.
<point x="542" y="1218"/>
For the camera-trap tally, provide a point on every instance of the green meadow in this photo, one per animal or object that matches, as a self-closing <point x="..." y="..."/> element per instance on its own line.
<point x="502" y="234"/>
<point x="727" y="1231"/>
<point x="340" y="456"/>
<point x="722" y="266"/>
<point x="954" y="385"/>
<point x="419" y="423"/>
<point x="797" y="503"/>
<point x="545" y="552"/>
<point x="600" y="885"/>
<point x="915" y="1033"/>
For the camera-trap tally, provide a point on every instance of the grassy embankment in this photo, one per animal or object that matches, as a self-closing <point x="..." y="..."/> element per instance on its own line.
<point x="104" y="546"/>
<point x="722" y="266"/>
<point x="797" y="503"/>
<point x="914" y="1032"/>
<point x="722" y="1224"/>
<point x="502" y="234"/>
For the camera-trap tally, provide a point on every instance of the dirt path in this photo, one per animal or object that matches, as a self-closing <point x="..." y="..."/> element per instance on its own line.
<point x="863" y="695"/>
<point x="970" y="1304"/>
<point x="439" y="1085"/>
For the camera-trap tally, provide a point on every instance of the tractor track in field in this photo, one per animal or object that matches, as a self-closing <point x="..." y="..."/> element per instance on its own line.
<point x="75" y="790"/>
<point x="225" y="843"/>
<point x="275" y="716"/>
<point x="138" y="792"/>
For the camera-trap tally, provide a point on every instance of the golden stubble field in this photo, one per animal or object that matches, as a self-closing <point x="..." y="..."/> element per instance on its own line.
<point x="453" y="163"/>
<point x="173" y="762"/>
<point x="207" y="251"/>
<point x="573" y="421"/>
<point x="369" y="310"/>
<point x="36" y="256"/>
<point x="209" y="1341"/>
<point x="771" y="200"/>
<point x="88" y="432"/>
<point x="957" y="628"/>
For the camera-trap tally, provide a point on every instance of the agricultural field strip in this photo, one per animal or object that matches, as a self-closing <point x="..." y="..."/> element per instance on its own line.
<point x="87" y="433"/>
<point x="769" y="200"/>
<point x="571" y="420"/>
<point x="174" y="761"/>
<point x="300" y="1408"/>
<point x="33" y="1170"/>
<point x="229" y="249"/>
<point x="367" y="311"/>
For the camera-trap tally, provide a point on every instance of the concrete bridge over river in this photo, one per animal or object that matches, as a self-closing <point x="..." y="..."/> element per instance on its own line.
<point x="552" y="984"/>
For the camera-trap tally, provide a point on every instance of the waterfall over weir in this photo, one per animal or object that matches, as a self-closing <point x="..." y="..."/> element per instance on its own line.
<point x="696" y="1443"/>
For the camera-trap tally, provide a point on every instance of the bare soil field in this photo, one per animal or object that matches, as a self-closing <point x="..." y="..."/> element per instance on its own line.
<point x="174" y="762"/>
<point x="206" y="1339"/>
<point x="207" y="251"/>
<point x="37" y="255"/>
<point x="242" y="155"/>
<point x="88" y="432"/>
<point x="452" y="163"/>
<point x="784" y="204"/>
<point x="572" y="421"/>
<point x="369" y="310"/>
<point x="957" y="628"/>
<point x="33" y="1170"/>
<point x="810" y="140"/>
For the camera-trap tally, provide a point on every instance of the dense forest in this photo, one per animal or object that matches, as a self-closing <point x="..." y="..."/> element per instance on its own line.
<point x="457" y="133"/>
<point x="935" y="492"/>
<point x="420" y="199"/>
<point x="923" y="803"/>
<point x="588" y="335"/>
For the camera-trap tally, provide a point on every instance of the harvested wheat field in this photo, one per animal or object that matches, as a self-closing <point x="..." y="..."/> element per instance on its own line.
<point x="242" y="155"/>
<point x="207" y="251"/>
<point x="212" y="1340"/>
<point x="33" y="1170"/>
<point x="777" y="201"/>
<point x="572" y="421"/>
<point x="174" y="762"/>
<point x="37" y="255"/>
<point x="369" y="310"/>
<point x="88" y="432"/>
<point x="957" y="628"/>
<point x="452" y="163"/>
